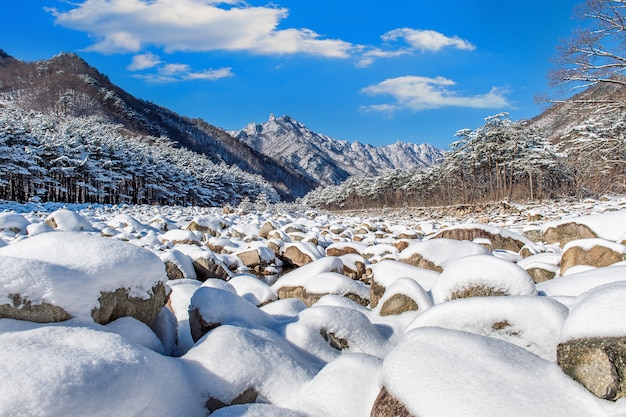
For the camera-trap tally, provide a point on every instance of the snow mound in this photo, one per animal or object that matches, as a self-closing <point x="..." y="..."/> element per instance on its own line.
<point x="438" y="372"/>
<point x="335" y="283"/>
<point x="235" y="359"/>
<point x="599" y="312"/>
<point x="71" y="270"/>
<point x="441" y="251"/>
<point x="533" y="323"/>
<point x="252" y="289"/>
<point x="386" y="272"/>
<point x="322" y="332"/>
<point x="68" y="221"/>
<point x="76" y="371"/>
<point x="346" y="387"/>
<point x="14" y="222"/>
<point x="298" y="277"/>
<point x="603" y="225"/>
<point x="497" y="276"/>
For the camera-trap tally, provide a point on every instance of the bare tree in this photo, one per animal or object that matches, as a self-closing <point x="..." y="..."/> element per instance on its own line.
<point x="596" y="52"/>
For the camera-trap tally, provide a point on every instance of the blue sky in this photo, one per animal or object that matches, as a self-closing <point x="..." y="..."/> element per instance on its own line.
<point x="376" y="72"/>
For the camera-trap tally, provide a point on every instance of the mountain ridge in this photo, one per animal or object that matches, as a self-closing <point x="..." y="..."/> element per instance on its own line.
<point x="333" y="161"/>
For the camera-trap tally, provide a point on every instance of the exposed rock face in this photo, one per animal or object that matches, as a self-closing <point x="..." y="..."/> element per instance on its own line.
<point x="540" y="275"/>
<point x="250" y="258"/>
<point x="566" y="232"/>
<point x="119" y="303"/>
<point x="246" y="397"/>
<point x="478" y="291"/>
<point x="199" y="327"/>
<point x="173" y="271"/>
<point x="22" y="309"/>
<point x="597" y="256"/>
<point x="398" y="304"/>
<point x="376" y="293"/>
<point x="599" y="364"/>
<point x="294" y="256"/>
<point x="207" y="268"/>
<point x="310" y="298"/>
<point x="418" y="260"/>
<point x="387" y="406"/>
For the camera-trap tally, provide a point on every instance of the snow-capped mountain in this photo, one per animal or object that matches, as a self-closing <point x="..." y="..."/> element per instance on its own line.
<point x="327" y="160"/>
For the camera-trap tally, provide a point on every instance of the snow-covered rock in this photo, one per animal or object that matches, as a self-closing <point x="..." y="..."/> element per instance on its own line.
<point x="435" y="372"/>
<point x="593" y="341"/>
<point x="72" y="371"/>
<point x="83" y="275"/>
<point x="480" y="276"/>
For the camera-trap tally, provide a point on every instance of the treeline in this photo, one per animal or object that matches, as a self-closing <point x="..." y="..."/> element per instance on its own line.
<point x="86" y="160"/>
<point x="502" y="159"/>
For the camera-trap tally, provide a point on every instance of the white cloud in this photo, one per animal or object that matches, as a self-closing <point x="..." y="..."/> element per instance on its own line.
<point x="427" y="40"/>
<point x="420" y="93"/>
<point x="144" y="61"/>
<point x="161" y="71"/>
<point x="120" y="26"/>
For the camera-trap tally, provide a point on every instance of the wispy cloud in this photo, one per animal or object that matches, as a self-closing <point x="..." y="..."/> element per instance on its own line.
<point x="144" y="61"/>
<point x="420" y="93"/>
<point x="427" y="40"/>
<point x="412" y="40"/>
<point x="120" y="26"/>
<point x="161" y="71"/>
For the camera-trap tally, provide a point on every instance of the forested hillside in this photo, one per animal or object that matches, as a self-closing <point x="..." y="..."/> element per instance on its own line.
<point x="66" y="85"/>
<point x="502" y="159"/>
<point x="88" y="160"/>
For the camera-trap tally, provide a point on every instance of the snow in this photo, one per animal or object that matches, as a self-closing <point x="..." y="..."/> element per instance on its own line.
<point x="437" y="372"/>
<point x="235" y="359"/>
<point x="335" y="283"/>
<point x="442" y="251"/>
<point x="388" y="271"/>
<point x="482" y="271"/>
<point x="300" y="276"/>
<point x="533" y="323"/>
<point x="13" y="221"/>
<point x="252" y="289"/>
<point x="65" y="371"/>
<point x="182" y="261"/>
<point x="346" y="387"/>
<point x="69" y="221"/>
<point x="599" y="312"/>
<point x="488" y="356"/>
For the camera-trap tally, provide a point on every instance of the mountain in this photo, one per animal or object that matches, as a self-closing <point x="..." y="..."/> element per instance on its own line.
<point x="66" y="85"/>
<point x="600" y="103"/>
<point x="327" y="160"/>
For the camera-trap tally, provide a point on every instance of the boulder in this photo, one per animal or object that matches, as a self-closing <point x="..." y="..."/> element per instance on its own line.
<point x="481" y="276"/>
<point x="599" y="364"/>
<point x="68" y="221"/>
<point x="388" y="406"/>
<point x="500" y="238"/>
<point x="593" y="252"/>
<point x="301" y="253"/>
<point x="593" y="341"/>
<point x="436" y="254"/>
<point x="84" y="275"/>
<point x="564" y="233"/>
<point x="120" y="303"/>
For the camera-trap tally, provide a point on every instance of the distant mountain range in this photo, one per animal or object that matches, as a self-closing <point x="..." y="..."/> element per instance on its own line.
<point x="327" y="160"/>
<point x="286" y="153"/>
